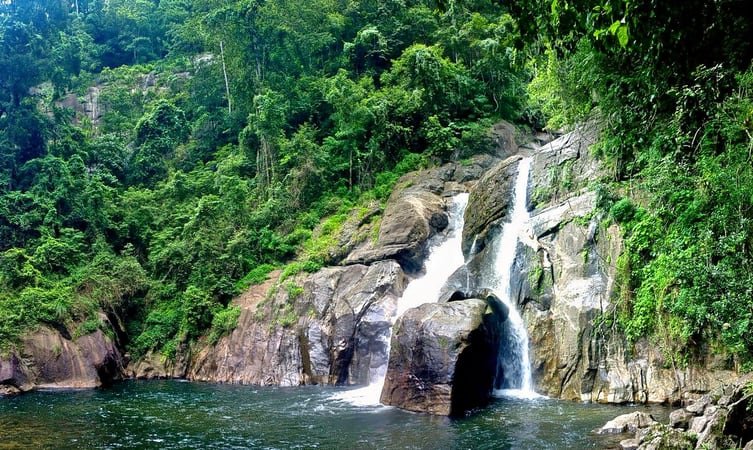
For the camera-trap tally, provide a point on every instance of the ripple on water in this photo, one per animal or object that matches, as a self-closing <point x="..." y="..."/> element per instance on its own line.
<point x="167" y="414"/>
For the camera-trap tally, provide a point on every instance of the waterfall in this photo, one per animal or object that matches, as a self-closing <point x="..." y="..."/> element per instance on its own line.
<point x="515" y="364"/>
<point x="445" y="256"/>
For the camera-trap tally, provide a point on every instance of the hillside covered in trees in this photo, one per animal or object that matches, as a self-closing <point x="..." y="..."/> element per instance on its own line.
<point x="233" y="138"/>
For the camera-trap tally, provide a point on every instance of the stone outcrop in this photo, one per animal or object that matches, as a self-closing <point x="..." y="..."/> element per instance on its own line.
<point x="488" y="205"/>
<point x="416" y="210"/>
<point x="86" y="106"/>
<point x="156" y="366"/>
<point x="627" y="423"/>
<point x="48" y="359"/>
<point x="503" y="137"/>
<point x="564" y="282"/>
<point x="718" y="420"/>
<point x="327" y="327"/>
<point x="444" y="357"/>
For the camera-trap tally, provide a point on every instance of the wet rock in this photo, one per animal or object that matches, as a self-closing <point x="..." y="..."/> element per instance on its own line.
<point x="334" y="329"/>
<point x="49" y="359"/>
<point x="680" y="418"/>
<point x="489" y="204"/>
<point x="444" y="357"/>
<point x="630" y="444"/>
<point x="564" y="278"/>
<point x="485" y="294"/>
<point x="627" y="423"/>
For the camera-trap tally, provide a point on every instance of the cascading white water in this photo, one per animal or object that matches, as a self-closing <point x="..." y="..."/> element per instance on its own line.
<point x="515" y="379"/>
<point x="445" y="256"/>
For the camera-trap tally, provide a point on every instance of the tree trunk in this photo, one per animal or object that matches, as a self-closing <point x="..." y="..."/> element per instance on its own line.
<point x="227" y="85"/>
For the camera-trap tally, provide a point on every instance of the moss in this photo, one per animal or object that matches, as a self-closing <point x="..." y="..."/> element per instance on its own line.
<point x="376" y="226"/>
<point x="287" y="317"/>
<point x="294" y="291"/>
<point x="535" y="274"/>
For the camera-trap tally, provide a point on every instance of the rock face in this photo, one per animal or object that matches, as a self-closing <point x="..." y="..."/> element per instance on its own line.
<point x="488" y="204"/>
<point x="156" y="366"/>
<point x="86" y="106"/>
<point x="444" y="357"/>
<point x="415" y="211"/>
<point x="563" y="280"/>
<point x="627" y="422"/>
<point x="48" y="359"/>
<point x="333" y="334"/>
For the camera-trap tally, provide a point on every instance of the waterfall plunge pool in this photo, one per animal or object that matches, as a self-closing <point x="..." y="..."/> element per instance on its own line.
<point x="186" y="415"/>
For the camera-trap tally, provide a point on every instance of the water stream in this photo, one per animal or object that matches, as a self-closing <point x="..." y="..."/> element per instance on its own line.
<point x="444" y="257"/>
<point x="515" y="377"/>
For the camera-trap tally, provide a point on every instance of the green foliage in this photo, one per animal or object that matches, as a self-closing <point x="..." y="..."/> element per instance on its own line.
<point x="674" y="107"/>
<point x="297" y="267"/>
<point x="223" y="322"/>
<point x="158" y="157"/>
<point x="287" y="316"/>
<point x="257" y="275"/>
<point x="622" y="211"/>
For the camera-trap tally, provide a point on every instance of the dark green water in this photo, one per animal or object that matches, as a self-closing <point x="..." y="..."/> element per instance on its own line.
<point x="171" y="414"/>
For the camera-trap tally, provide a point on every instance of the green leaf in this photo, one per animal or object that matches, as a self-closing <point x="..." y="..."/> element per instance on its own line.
<point x="622" y="35"/>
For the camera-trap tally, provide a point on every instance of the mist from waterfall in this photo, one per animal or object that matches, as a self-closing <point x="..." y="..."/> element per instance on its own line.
<point x="444" y="257"/>
<point x="514" y="376"/>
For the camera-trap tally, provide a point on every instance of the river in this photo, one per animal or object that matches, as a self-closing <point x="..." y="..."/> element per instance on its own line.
<point x="173" y="414"/>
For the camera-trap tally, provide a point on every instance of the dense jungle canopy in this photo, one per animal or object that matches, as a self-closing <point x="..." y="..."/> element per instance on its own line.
<point x="234" y="137"/>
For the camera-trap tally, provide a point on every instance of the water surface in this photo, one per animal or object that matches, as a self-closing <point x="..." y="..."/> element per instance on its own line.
<point x="172" y="415"/>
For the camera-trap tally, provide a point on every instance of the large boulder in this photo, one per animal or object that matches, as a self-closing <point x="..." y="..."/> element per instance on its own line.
<point x="503" y="137"/>
<point x="47" y="358"/>
<point x="444" y="357"/>
<point x="489" y="205"/>
<point x="627" y="423"/>
<point x="14" y="376"/>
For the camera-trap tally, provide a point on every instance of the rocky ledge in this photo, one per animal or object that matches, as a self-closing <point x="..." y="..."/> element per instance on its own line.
<point x="721" y="419"/>
<point x="51" y="359"/>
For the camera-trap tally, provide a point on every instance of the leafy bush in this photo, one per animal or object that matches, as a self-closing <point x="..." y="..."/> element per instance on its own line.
<point x="223" y="322"/>
<point x="257" y="275"/>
